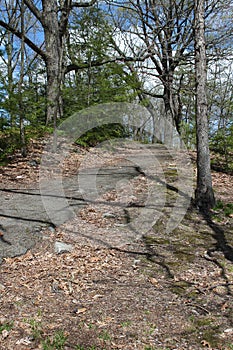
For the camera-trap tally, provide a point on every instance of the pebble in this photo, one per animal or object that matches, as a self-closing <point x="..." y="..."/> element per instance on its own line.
<point x="229" y="330"/>
<point x="61" y="247"/>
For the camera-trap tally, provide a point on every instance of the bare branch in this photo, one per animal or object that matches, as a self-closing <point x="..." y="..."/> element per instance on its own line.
<point x="16" y="32"/>
<point x="83" y="4"/>
<point x="98" y="63"/>
<point x="34" y="10"/>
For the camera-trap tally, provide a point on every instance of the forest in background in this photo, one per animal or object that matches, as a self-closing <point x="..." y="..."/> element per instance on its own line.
<point x="60" y="57"/>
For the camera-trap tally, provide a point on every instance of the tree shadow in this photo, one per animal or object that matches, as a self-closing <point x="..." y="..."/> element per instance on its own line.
<point x="20" y="218"/>
<point x="220" y="237"/>
<point x="148" y="252"/>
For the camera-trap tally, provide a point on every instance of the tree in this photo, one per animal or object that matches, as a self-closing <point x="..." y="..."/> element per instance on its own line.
<point x="162" y="30"/>
<point x="160" y="37"/>
<point x="90" y="40"/>
<point x="204" y="191"/>
<point x="9" y="63"/>
<point x="53" y="17"/>
<point x="18" y="65"/>
<point x="20" y="84"/>
<point x="220" y="111"/>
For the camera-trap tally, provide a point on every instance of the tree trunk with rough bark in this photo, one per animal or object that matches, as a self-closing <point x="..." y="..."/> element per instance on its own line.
<point x="20" y="86"/>
<point x="54" y="49"/>
<point x="204" y="192"/>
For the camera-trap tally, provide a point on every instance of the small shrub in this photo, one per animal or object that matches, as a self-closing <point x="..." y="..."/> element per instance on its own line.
<point x="6" y="326"/>
<point x="100" y="134"/>
<point x="36" y="328"/>
<point x="57" y="342"/>
<point x="226" y="209"/>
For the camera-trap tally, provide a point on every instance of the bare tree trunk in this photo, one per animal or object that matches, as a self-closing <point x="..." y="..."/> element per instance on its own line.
<point x="204" y="191"/>
<point x="169" y="108"/>
<point x="20" y="86"/>
<point x="10" y="69"/>
<point x="53" y="43"/>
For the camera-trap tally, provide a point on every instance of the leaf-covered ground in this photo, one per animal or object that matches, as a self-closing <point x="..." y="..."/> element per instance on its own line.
<point x="157" y="292"/>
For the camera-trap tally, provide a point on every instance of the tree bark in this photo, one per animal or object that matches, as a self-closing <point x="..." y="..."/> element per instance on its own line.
<point x="54" y="53"/>
<point x="168" y="100"/>
<point x="204" y="192"/>
<point x="20" y="85"/>
<point x="10" y="69"/>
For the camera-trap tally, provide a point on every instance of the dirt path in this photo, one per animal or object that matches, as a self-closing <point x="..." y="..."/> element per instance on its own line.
<point x="128" y="283"/>
<point x="25" y="211"/>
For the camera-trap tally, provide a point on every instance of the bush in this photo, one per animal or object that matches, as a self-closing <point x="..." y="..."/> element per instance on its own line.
<point x="100" y="134"/>
<point x="10" y="139"/>
<point x="9" y="142"/>
<point x="221" y="144"/>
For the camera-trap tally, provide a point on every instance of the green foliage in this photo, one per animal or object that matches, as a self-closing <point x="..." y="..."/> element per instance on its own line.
<point x="32" y="100"/>
<point x="106" y="85"/>
<point x="188" y="133"/>
<point x="36" y="327"/>
<point x="221" y="144"/>
<point x="228" y="209"/>
<point x="100" y="134"/>
<point x="10" y="139"/>
<point x="222" y="210"/>
<point x="25" y="107"/>
<point x="105" y="335"/>
<point x="222" y="140"/>
<point x="219" y="205"/>
<point x="6" y="326"/>
<point x="95" y="84"/>
<point x="9" y="142"/>
<point x="34" y="105"/>
<point x="35" y="132"/>
<point x="225" y="209"/>
<point x="4" y="121"/>
<point x="57" y="342"/>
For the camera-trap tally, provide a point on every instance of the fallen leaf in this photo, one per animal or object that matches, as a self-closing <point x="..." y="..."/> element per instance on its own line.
<point x="206" y="344"/>
<point x="5" y="334"/>
<point x="154" y="281"/>
<point x="97" y="296"/>
<point x="81" y="311"/>
<point x="224" y="306"/>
